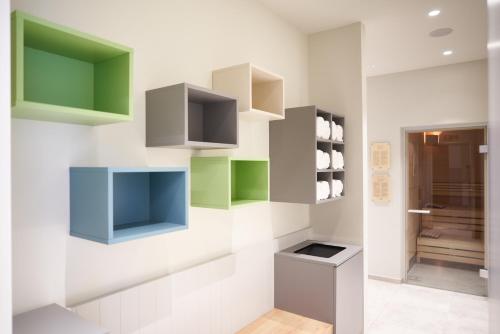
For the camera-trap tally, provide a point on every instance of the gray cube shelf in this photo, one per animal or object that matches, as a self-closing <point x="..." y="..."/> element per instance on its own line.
<point x="292" y="149"/>
<point x="188" y="116"/>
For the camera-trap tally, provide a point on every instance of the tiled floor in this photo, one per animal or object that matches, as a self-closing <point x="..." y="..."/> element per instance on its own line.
<point x="409" y="309"/>
<point x="448" y="278"/>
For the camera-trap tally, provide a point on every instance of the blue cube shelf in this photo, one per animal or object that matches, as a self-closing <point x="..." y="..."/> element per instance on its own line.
<point x="112" y="205"/>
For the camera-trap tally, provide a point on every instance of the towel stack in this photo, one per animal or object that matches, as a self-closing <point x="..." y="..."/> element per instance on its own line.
<point x="322" y="190"/>
<point x="337" y="188"/>
<point x="322" y="160"/>
<point x="322" y="128"/>
<point x="337" y="160"/>
<point x="337" y="132"/>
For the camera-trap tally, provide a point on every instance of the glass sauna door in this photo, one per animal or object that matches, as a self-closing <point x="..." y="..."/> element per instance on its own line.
<point x="445" y="199"/>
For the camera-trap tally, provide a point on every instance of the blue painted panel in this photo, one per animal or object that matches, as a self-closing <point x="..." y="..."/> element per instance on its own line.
<point x="145" y="231"/>
<point x="89" y="202"/>
<point x="111" y="205"/>
<point x="131" y="197"/>
<point x="168" y="197"/>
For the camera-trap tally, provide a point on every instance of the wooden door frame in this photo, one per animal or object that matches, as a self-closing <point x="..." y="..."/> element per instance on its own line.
<point x="404" y="151"/>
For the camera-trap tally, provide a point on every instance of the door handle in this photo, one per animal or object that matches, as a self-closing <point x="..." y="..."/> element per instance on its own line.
<point x="424" y="212"/>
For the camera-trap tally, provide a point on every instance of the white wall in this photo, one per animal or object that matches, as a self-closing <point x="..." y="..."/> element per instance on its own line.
<point x="212" y="293"/>
<point x="442" y="95"/>
<point x="336" y="83"/>
<point x="494" y="160"/>
<point x="174" y="41"/>
<point x="5" y="197"/>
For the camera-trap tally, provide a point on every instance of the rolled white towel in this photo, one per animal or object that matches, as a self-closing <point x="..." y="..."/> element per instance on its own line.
<point x="325" y="130"/>
<point x="334" y="133"/>
<point x="319" y="126"/>
<point x="322" y="128"/>
<point x="337" y="160"/>
<point x="328" y="130"/>
<point x="319" y="121"/>
<point x="322" y="190"/>
<point x="339" y="133"/>
<point x="341" y="160"/>
<point x="319" y="158"/>
<point x="337" y="188"/>
<point x="322" y="159"/>
<point x="319" y="191"/>
<point x="325" y="189"/>
<point x="326" y="160"/>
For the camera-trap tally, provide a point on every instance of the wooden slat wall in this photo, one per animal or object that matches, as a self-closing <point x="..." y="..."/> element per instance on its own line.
<point x="459" y="221"/>
<point x="457" y="189"/>
<point x="451" y="258"/>
<point x="456" y="223"/>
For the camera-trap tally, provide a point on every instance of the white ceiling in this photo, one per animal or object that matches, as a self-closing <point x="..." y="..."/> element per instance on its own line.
<point x="397" y="31"/>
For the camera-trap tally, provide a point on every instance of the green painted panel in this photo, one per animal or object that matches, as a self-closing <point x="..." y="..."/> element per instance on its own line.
<point x="210" y="182"/>
<point x="59" y="80"/>
<point x="61" y="114"/>
<point x="62" y="75"/>
<point x="112" y="84"/>
<point x="249" y="181"/>
<point x="222" y="182"/>
<point x="44" y="35"/>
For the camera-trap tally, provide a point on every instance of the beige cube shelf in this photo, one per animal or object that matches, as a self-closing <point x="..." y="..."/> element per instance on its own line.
<point x="260" y="93"/>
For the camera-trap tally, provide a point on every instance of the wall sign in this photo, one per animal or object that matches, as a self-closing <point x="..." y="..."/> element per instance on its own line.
<point x="380" y="157"/>
<point x="381" y="190"/>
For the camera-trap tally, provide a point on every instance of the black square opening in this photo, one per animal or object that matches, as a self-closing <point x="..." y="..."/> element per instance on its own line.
<point x="320" y="250"/>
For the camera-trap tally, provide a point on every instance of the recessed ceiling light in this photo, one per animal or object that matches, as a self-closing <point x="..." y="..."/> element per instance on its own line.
<point x="447" y="52"/>
<point x="434" y="12"/>
<point x="441" y="32"/>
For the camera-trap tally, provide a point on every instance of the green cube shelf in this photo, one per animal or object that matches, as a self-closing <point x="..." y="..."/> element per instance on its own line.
<point x="62" y="75"/>
<point x="225" y="182"/>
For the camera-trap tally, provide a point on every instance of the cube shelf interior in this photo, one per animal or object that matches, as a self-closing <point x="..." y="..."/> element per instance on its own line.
<point x="188" y="116"/>
<point x="116" y="205"/>
<point x="267" y="92"/>
<point x="211" y="118"/>
<point x="249" y="181"/>
<point x="223" y="182"/>
<point x="260" y="93"/>
<point x="63" y="75"/>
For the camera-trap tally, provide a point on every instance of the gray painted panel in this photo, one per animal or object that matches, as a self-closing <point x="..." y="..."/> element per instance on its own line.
<point x="165" y="116"/>
<point x="349" y="296"/>
<point x="292" y="151"/>
<point x="195" y="121"/>
<point x="304" y="288"/>
<point x="326" y="289"/>
<point x="184" y="116"/>
<point x="221" y="122"/>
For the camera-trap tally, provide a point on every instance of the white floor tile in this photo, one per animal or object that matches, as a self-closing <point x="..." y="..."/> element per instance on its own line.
<point x="409" y="309"/>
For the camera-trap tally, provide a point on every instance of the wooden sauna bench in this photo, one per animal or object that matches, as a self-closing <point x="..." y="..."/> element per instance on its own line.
<point x="461" y="238"/>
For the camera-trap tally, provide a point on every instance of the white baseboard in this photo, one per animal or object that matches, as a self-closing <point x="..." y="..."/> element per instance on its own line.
<point x="386" y="279"/>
